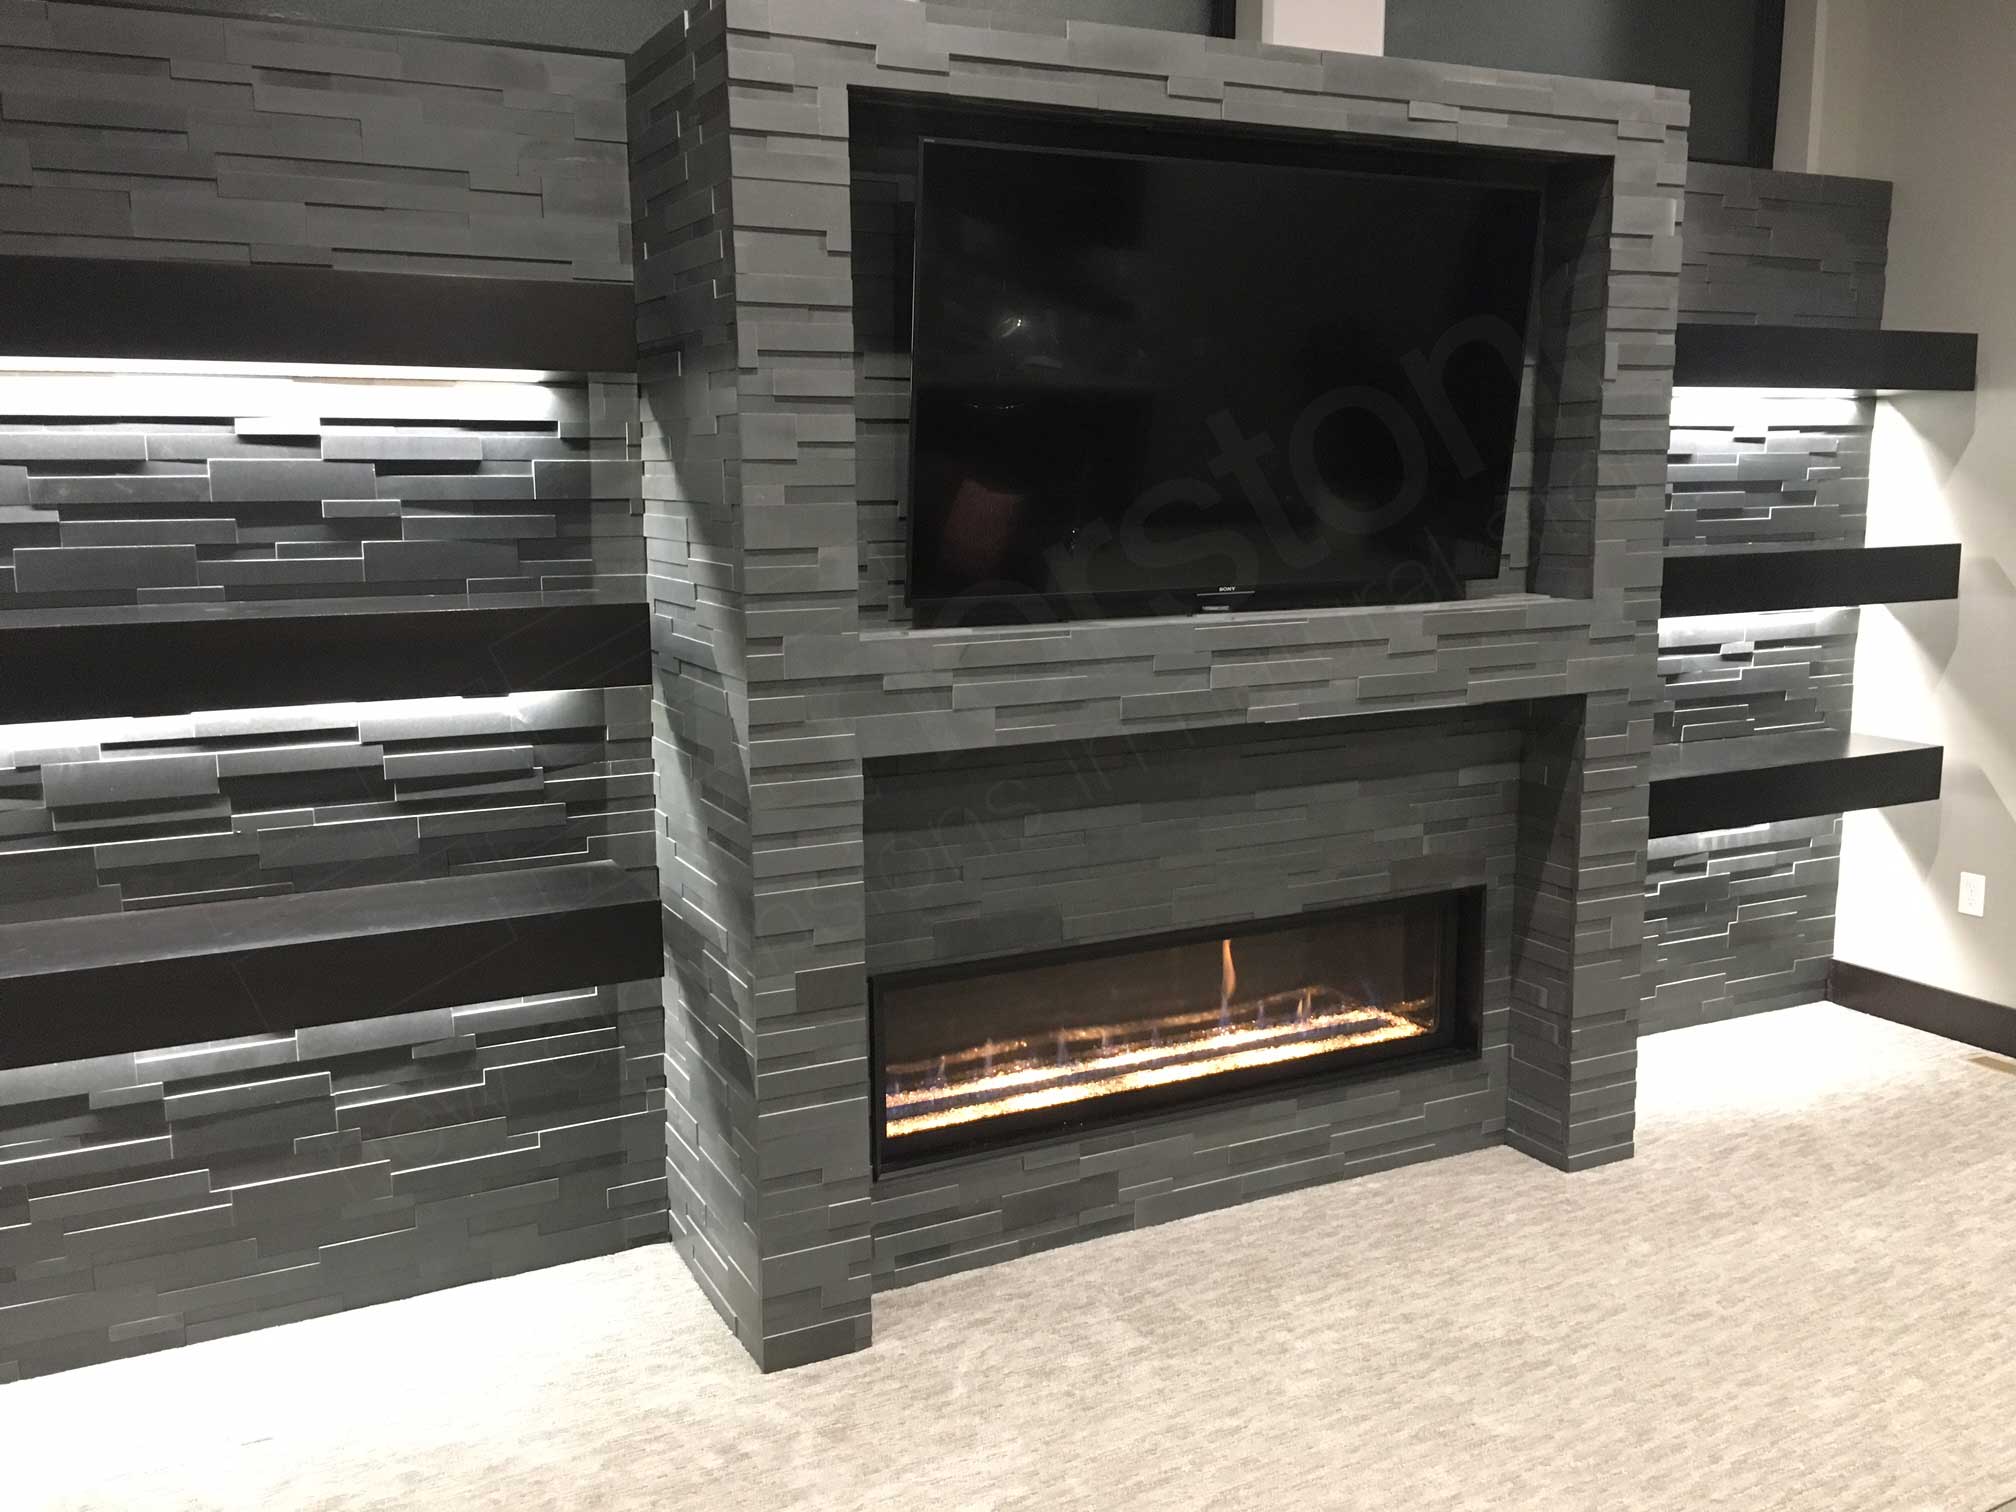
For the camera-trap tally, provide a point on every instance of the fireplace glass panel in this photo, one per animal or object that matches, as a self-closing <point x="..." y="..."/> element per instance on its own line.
<point x="1002" y="1050"/>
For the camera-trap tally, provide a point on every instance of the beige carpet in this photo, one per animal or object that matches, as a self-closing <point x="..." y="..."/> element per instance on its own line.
<point x="1798" y="1295"/>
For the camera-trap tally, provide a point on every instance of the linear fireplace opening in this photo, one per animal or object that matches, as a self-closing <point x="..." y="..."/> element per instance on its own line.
<point x="986" y="1053"/>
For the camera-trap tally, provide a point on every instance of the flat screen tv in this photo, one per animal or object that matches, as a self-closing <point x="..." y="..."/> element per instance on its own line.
<point x="1165" y="385"/>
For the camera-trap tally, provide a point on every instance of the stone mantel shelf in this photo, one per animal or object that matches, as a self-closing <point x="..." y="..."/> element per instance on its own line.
<point x="1203" y="671"/>
<point x="1268" y="627"/>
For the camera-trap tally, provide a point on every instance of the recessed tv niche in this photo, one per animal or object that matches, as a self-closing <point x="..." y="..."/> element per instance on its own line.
<point x="1165" y="385"/>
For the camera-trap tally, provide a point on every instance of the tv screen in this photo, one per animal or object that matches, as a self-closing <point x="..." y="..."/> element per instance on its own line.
<point x="1150" y="385"/>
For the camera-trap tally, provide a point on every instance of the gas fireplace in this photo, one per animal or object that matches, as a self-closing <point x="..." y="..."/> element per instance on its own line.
<point x="1006" y="1050"/>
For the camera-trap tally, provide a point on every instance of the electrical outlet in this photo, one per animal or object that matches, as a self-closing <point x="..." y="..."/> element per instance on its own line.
<point x="1973" y="894"/>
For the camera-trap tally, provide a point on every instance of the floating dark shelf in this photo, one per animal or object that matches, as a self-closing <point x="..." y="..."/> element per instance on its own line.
<point x="106" y="984"/>
<point x="1757" y="356"/>
<point x="1725" y="784"/>
<point x="1738" y="582"/>
<point x="76" y="664"/>
<point x="136" y="310"/>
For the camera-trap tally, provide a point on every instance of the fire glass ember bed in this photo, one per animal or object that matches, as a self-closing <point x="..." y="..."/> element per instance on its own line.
<point x="998" y="1051"/>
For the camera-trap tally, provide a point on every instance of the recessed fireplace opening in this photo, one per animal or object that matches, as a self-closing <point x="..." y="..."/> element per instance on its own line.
<point x="1016" y="1049"/>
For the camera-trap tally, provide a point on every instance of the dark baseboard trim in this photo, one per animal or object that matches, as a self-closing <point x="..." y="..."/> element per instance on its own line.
<point x="133" y="310"/>
<point x="1951" y="1015"/>
<point x="75" y="989"/>
<point x="256" y="657"/>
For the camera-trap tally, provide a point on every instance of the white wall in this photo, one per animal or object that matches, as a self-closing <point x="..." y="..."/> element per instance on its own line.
<point x="1924" y="94"/>
<point x="1821" y="125"/>
<point x="1333" y="25"/>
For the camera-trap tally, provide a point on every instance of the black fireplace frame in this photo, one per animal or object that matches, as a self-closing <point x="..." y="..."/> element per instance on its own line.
<point x="1459" y="1039"/>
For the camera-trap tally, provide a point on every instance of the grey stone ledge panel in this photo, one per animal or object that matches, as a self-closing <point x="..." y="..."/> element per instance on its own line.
<point x="216" y="1189"/>
<point x="132" y="134"/>
<point x="1743" y="922"/>
<point x="227" y="509"/>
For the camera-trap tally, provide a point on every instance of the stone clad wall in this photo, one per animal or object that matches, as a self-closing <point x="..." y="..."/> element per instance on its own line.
<point x="179" y="1195"/>
<point x="132" y="133"/>
<point x="168" y="1197"/>
<point x="989" y="854"/>
<point x="1770" y="248"/>
<point x="1744" y="922"/>
<point x="776" y="692"/>
<point x="105" y="816"/>
<point x="176" y="1194"/>
<point x="135" y="490"/>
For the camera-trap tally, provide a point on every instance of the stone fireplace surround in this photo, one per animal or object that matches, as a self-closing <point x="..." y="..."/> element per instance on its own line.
<point x="1045" y="1046"/>
<point x="983" y="855"/>
<point x="798" y="739"/>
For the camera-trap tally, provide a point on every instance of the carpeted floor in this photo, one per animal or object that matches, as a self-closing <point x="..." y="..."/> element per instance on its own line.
<point x="1797" y="1296"/>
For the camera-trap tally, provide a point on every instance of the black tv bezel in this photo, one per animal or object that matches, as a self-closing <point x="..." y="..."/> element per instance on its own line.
<point x="984" y="610"/>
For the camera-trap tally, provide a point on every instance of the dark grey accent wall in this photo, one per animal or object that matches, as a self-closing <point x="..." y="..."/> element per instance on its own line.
<point x="127" y="133"/>
<point x="1743" y="921"/>
<point x="446" y="491"/>
<point x="1725" y="53"/>
<point x="775" y="694"/>
<point x="612" y="27"/>
<point x="164" y="1198"/>
<point x="160" y="1199"/>
<point x="615" y="27"/>
<point x="988" y="853"/>
<point x="1766" y="248"/>
<point x="1757" y="470"/>
<point x="115" y="814"/>
<point x="154" y="1199"/>
<point x="994" y="852"/>
<point x="777" y="689"/>
<point x="1734" y="677"/>
<point x="693" y="531"/>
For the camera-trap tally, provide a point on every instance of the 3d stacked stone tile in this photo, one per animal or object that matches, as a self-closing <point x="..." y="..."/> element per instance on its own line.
<point x="141" y="134"/>
<point x="995" y="852"/>
<point x="1741" y="922"/>
<point x="818" y="784"/>
<point x="466" y="491"/>
<point x="174" y="1194"/>
<point x="1744" y="922"/>
<point x="1773" y="248"/>
<point x="162" y="1198"/>
<point x="782" y="692"/>
<point x="107" y="815"/>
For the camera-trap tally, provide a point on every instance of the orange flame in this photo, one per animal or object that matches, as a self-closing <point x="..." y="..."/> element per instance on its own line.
<point x="1205" y="1049"/>
<point x="1228" y="976"/>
